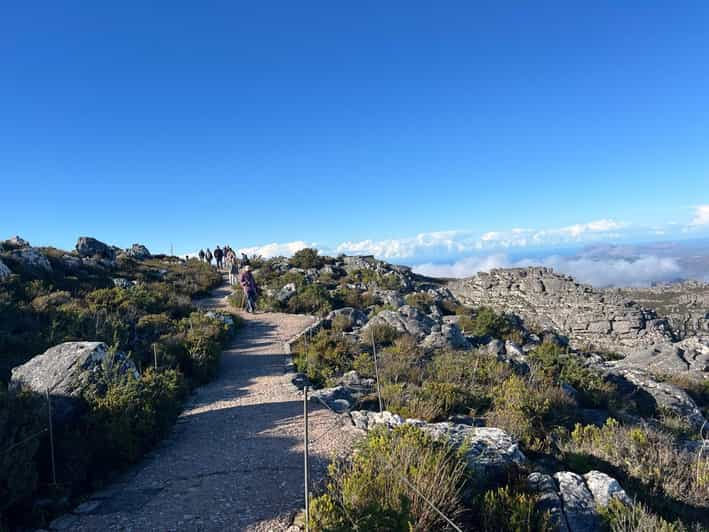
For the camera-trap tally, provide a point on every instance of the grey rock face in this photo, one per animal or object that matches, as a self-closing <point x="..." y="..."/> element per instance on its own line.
<point x="4" y="271"/>
<point x="339" y="398"/>
<point x="286" y="292"/>
<point x="67" y="370"/>
<point x="666" y="396"/>
<point x="449" y="336"/>
<point x="689" y="357"/>
<point x="120" y="282"/>
<point x="604" y="488"/>
<point x="138" y="251"/>
<point x="15" y="243"/>
<point x="407" y="320"/>
<point x="356" y="316"/>
<point x="578" y="503"/>
<point x="549" y="500"/>
<point x="491" y="452"/>
<point x="87" y="246"/>
<point x="558" y="303"/>
<point x="32" y="261"/>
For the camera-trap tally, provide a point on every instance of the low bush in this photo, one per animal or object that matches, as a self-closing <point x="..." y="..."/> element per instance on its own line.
<point x="369" y="492"/>
<point x="619" y="517"/>
<point x="306" y="258"/>
<point x="531" y="411"/>
<point x="507" y="510"/>
<point x="313" y="299"/>
<point x="132" y="415"/>
<point x="421" y="300"/>
<point x="484" y="322"/>
<point x="325" y="357"/>
<point x="647" y="463"/>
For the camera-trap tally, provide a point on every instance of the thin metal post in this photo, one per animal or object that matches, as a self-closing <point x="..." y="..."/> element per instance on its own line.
<point x="305" y="462"/>
<point x="51" y="438"/>
<point x="155" y="355"/>
<point x="376" y="372"/>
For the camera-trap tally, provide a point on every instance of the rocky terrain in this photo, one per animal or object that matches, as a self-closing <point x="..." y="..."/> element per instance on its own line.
<point x="590" y="318"/>
<point x="576" y="401"/>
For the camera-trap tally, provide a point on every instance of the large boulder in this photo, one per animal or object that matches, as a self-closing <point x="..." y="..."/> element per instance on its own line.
<point x="406" y="319"/>
<point x="357" y="317"/>
<point x="4" y="271"/>
<point x="690" y="358"/>
<point x="15" y="243"/>
<point x="578" y="503"/>
<point x="286" y="292"/>
<point x="68" y="370"/>
<point x="138" y="251"/>
<point x="604" y="488"/>
<point x="447" y="336"/>
<point x="548" y="500"/>
<point x="661" y="395"/>
<point x="87" y="246"/>
<point x="339" y="398"/>
<point x="32" y="261"/>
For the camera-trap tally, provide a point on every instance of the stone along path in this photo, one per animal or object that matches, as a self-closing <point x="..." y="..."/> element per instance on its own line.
<point x="235" y="458"/>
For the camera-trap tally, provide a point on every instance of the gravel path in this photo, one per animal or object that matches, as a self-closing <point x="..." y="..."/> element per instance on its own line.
<point x="235" y="458"/>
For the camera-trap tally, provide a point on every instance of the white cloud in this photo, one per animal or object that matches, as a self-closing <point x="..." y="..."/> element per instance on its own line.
<point x="701" y="215"/>
<point x="603" y="272"/>
<point x="444" y="244"/>
<point x="275" y="250"/>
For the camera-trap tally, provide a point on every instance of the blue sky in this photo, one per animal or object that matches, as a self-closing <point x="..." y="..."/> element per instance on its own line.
<point x="354" y="126"/>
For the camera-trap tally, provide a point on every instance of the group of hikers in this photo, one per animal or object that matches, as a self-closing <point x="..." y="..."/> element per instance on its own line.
<point x="239" y="271"/>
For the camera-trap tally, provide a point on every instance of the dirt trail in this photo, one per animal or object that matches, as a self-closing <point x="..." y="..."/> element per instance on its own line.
<point x="235" y="458"/>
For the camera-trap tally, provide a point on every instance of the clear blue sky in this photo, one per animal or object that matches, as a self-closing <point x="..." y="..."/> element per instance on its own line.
<point x="255" y="122"/>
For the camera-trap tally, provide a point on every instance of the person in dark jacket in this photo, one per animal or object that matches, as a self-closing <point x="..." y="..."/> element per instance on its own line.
<point x="248" y="285"/>
<point x="208" y="256"/>
<point x="201" y="255"/>
<point x="218" y="256"/>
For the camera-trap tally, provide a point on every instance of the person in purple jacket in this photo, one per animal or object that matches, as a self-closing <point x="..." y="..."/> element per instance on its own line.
<point x="248" y="285"/>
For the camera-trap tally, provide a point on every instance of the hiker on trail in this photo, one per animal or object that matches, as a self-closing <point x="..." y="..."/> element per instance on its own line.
<point x="218" y="256"/>
<point x="233" y="270"/>
<point x="244" y="260"/>
<point x="208" y="256"/>
<point x="201" y="255"/>
<point x="248" y="285"/>
<point x="230" y="257"/>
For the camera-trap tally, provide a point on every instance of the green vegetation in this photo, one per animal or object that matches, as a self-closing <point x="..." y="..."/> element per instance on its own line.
<point x="511" y="509"/>
<point x="150" y="318"/>
<point x="368" y="490"/>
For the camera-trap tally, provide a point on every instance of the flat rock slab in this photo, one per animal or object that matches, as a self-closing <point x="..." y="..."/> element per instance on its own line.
<point x="235" y="460"/>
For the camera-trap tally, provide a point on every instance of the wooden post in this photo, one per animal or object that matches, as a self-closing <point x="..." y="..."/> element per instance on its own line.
<point x="51" y="438"/>
<point x="376" y="373"/>
<point x="305" y="461"/>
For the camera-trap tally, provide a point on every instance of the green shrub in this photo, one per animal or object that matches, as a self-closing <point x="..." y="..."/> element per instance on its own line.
<point x="505" y="510"/>
<point x="22" y="418"/>
<point x="369" y="491"/>
<point x="383" y="334"/>
<point x="560" y="367"/>
<point x="530" y="411"/>
<point x="420" y="300"/>
<point x="646" y="462"/>
<point x="484" y="322"/>
<point x="620" y="517"/>
<point x="133" y="415"/>
<point x="313" y="299"/>
<point x="306" y="258"/>
<point x="203" y="338"/>
<point x="328" y="355"/>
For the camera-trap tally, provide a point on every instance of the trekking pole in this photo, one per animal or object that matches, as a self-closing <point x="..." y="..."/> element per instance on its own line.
<point x="51" y="438"/>
<point x="305" y="462"/>
<point x="376" y="373"/>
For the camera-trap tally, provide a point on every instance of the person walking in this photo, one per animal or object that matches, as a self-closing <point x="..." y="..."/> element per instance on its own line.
<point x="248" y="285"/>
<point x="208" y="256"/>
<point x="201" y="255"/>
<point x="233" y="270"/>
<point x="218" y="256"/>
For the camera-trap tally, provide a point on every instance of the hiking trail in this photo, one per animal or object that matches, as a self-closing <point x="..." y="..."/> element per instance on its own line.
<point x="234" y="460"/>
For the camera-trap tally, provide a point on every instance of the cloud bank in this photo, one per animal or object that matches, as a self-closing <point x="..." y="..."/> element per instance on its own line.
<point x="600" y="272"/>
<point x="701" y="215"/>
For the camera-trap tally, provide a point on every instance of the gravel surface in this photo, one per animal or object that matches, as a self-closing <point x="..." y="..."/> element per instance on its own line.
<point x="234" y="460"/>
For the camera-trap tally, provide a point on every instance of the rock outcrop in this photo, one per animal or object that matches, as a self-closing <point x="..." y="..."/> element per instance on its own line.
<point x="490" y="453"/>
<point x="87" y="246"/>
<point x="577" y="502"/>
<point x="138" y="251"/>
<point x="66" y="371"/>
<point x="547" y="300"/>
<point x="689" y="357"/>
<point x="4" y="271"/>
